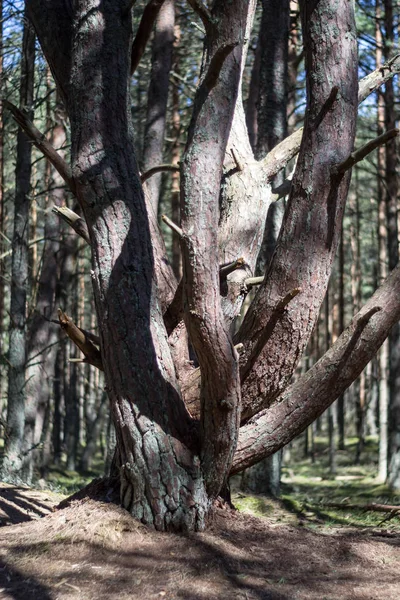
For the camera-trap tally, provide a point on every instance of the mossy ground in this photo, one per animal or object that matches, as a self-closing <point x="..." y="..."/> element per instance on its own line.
<point x="308" y="488"/>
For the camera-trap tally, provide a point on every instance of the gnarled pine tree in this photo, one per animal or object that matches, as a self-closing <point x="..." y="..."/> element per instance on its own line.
<point x="181" y="429"/>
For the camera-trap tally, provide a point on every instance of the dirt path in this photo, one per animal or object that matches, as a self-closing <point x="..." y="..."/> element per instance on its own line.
<point x="95" y="551"/>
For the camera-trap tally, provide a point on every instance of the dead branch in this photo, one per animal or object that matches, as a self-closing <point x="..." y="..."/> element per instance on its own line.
<point x="73" y="220"/>
<point x="91" y="336"/>
<point x="81" y="340"/>
<point x="172" y="225"/>
<point x="253" y="281"/>
<point x="30" y="243"/>
<point x="201" y="9"/>
<point x="143" y="33"/>
<point x="362" y="152"/>
<point x="228" y="268"/>
<point x="239" y="166"/>
<point x="40" y="141"/>
<point x="158" y="169"/>
<point x="279" y="156"/>
<point x="373" y="81"/>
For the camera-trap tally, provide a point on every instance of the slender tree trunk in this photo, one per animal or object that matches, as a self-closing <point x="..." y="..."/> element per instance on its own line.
<point x="157" y="98"/>
<point x="264" y="478"/>
<point x="44" y="336"/>
<point x="19" y="272"/>
<point x="356" y="283"/>
<point x="176" y="156"/>
<point x="58" y="392"/>
<point x="393" y="254"/>
<point x="383" y="355"/>
<point x="340" y="402"/>
<point x="252" y="100"/>
<point x="331" y="425"/>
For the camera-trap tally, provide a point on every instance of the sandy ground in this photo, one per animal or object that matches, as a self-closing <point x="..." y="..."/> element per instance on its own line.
<point x="95" y="551"/>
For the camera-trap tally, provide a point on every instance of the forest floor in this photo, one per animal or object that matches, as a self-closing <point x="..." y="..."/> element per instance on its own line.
<point x="294" y="548"/>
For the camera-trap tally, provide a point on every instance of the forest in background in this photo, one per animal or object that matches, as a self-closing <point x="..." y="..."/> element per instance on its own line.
<point x="66" y="419"/>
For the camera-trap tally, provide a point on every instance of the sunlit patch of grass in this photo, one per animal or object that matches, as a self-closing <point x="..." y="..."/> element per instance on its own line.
<point x="257" y="506"/>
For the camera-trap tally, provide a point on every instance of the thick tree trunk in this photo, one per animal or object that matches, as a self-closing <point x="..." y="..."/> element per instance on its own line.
<point x="161" y="480"/>
<point x="12" y="460"/>
<point x="201" y="176"/>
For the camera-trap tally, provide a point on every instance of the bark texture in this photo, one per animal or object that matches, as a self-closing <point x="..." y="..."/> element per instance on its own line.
<point x="161" y="480"/>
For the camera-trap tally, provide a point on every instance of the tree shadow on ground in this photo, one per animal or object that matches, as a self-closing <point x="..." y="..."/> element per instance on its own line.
<point x="15" y="507"/>
<point x="246" y="560"/>
<point x="17" y="586"/>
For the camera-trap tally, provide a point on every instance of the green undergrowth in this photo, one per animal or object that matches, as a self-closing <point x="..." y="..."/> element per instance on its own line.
<point x="307" y="489"/>
<point x="67" y="482"/>
<point x="63" y="481"/>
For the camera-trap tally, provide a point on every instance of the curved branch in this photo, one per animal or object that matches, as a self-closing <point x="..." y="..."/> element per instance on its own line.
<point x="158" y="169"/>
<point x="143" y="33"/>
<point x="40" y="141"/>
<point x="311" y="395"/>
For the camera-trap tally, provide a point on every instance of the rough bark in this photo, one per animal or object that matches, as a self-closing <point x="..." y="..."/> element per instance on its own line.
<point x="168" y="472"/>
<point x="12" y="460"/>
<point x="161" y="481"/>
